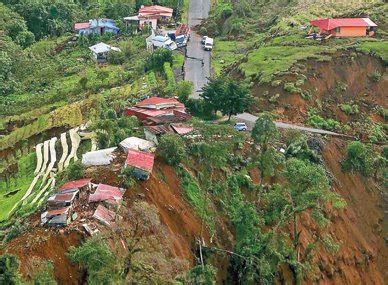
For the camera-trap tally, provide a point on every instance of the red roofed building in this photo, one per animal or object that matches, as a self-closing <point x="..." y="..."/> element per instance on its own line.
<point x="157" y="110"/>
<point x="81" y="184"/>
<point x="106" y="193"/>
<point x="142" y="163"/>
<point x="104" y="215"/>
<point x="345" y="27"/>
<point x="156" y="11"/>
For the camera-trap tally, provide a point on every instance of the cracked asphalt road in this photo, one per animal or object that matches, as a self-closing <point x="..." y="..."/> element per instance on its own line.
<point x="197" y="62"/>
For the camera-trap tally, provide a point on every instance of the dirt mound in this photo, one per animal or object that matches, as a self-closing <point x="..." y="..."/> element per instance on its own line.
<point x="50" y="245"/>
<point x="361" y="258"/>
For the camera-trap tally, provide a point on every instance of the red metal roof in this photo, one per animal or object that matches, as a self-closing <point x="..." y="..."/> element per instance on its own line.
<point x="80" y="26"/>
<point x="182" y="129"/>
<point x="140" y="159"/>
<point x="75" y="184"/>
<point x="155" y="10"/>
<point x="330" y="24"/>
<point x="63" y="197"/>
<point x="158" y="130"/>
<point x="104" y="188"/>
<point x="57" y="212"/>
<point x="106" y="192"/>
<point x="159" y="102"/>
<point x="104" y="215"/>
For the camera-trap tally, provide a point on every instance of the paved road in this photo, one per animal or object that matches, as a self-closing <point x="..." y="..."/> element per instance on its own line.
<point x="250" y="120"/>
<point x="197" y="63"/>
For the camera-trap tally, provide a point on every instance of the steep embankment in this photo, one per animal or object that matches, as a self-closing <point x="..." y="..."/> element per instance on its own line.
<point x="348" y="78"/>
<point x="361" y="257"/>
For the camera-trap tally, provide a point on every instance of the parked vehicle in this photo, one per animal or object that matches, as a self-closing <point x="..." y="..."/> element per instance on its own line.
<point x="208" y="44"/>
<point x="164" y="42"/>
<point x="204" y="40"/>
<point x="240" y="127"/>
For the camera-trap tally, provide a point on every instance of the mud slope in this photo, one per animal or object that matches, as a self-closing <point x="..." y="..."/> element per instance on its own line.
<point x="361" y="258"/>
<point x="346" y="79"/>
<point x="49" y="245"/>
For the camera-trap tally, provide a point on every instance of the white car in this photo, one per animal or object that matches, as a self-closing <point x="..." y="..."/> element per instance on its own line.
<point x="204" y="40"/>
<point x="240" y="127"/>
<point x="208" y="44"/>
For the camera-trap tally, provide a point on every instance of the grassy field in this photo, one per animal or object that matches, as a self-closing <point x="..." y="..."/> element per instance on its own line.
<point x="20" y="182"/>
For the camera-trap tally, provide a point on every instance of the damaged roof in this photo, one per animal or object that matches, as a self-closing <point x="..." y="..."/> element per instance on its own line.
<point x="182" y="129"/>
<point x="106" y="192"/>
<point x="75" y="184"/>
<point x="141" y="160"/>
<point x="104" y="215"/>
<point x="136" y="144"/>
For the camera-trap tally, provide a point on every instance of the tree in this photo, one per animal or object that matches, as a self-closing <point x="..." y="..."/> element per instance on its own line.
<point x="205" y="275"/>
<point x="95" y="256"/>
<point x="358" y="158"/>
<point x="269" y="161"/>
<point x="172" y="148"/>
<point x="226" y="95"/>
<point x="83" y="82"/>
<point x="156" y="59"/>
<point x="9" y="265"/>
<point x="116" y="57"/>
<point x="307" y="190"/>
<point x="183" y="90"/>
<point x="75" y="170"/>
<point x="264" y="131"/>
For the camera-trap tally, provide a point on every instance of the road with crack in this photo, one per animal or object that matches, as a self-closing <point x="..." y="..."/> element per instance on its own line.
<point x="197" y="62"/>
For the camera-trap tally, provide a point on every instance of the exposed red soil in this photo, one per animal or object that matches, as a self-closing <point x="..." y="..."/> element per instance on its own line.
<point x="362" y="255"/>
<point x="50" y="245"/>
<point x="324" y="81"/>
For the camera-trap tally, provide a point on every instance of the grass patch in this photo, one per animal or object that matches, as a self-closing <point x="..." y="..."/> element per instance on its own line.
<point x="227" y="52"/>
<point x="178" y="60"/>
<point x="375" y="48"/>
<point x="266" y="62"/>
<point x="21" y="181"/>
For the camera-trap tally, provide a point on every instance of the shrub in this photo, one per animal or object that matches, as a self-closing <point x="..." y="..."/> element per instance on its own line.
<point x="349" y="109"/>
<point x="9" y="265"/>
<point x="116" y="57"/>
<point x="170" y="78"/>
<point x="128" y="177"/>
<point x="183" y="90"/>
<point x="75" y="170"/>
<point x="156" y="59"/>
<point x="358" y="158"/>
<point x="172" y="148"/>
<point x="274" y="98"/>
<point x="375" y="76"/>
<point x="291" y="88"/>
<point x="42" y="271"/>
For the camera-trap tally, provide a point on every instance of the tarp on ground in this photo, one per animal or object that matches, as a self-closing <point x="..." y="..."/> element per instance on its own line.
<point x="98" y="157"/>
<point x="136" y="144"/>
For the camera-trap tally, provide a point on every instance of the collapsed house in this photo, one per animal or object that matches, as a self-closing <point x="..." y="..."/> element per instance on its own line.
<point x="99" y="157"/>
<point x="56" y="217"/>
<point x="80" y="185"/>
<point x="107" y="193"/>
<point x="137" y="144"/>
<point x="63" y="199"/>
<point x="153" y="133"/>
<point x="104" y="216"/>
<point x="141" y="162"/>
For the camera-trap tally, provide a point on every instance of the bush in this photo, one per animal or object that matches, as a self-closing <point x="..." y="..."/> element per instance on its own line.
<point x="116" y="57"/>
<point x="291" y="88"/>
<point x="172" y="148"/>
<point x="183" y="90"/>
<point x="42" y="271"/>
<point x="170" y="88"/>
<point x="128" y="177"/>
<point x="358" y="158"/>
<point x="75" y="170"/>
<point x="9" y="265"/>
<point x="375" y="76"/>
<point x="156" y="59"/>
<point x="349" y="109"/>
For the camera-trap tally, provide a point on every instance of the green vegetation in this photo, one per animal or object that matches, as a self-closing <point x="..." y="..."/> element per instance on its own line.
<point x="172" y="148"/>
<point x="378" y="48"/>
<point x="317" y="121"/>
<point x="359" y="158"/>
<point x="12" y="188"/>
<point x="349" y="109"/>
<point x="9" y="265"/>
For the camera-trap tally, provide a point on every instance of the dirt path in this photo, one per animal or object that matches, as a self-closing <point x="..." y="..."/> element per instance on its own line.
<point x="197" y="63"/>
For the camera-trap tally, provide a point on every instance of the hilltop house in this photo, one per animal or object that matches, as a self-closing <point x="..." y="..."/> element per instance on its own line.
<point x="96" y="26"/>
<point x="100" y="51"/>
<point x="150" y="15"/>
<point x="345" y="27"/>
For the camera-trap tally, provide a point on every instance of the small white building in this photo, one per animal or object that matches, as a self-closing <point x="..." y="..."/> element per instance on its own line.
<point x="100" y="51"/>
<point x="137" y="144"/>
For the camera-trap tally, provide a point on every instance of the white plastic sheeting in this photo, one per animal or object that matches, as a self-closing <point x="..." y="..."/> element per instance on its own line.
<point x="136" y="144"/>
<point x="98" y="157"/>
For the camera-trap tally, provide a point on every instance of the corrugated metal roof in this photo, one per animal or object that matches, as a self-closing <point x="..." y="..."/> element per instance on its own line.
<point x="104" y="215"/>
<point x="106" y="192"/>
<point x="141" y="160"/>
<point x="159" y="102"/>
<point x="75" y="184"/>
<point x="155" y="10"/>
<point x="182" y="129"/>
<point x="136" y="144"/>
<point x="63" y="197"/>
<point x="158" y="130"/>
<point x="330" y="24"/>
<point x="57" y="212"/>
<point x="80" y="26"/>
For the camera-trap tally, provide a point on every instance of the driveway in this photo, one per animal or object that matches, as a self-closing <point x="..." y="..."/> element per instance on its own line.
<point x="197" y="62"/>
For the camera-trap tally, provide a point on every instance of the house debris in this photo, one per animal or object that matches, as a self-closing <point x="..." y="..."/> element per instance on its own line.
<point x="182" y="129"/>
<point x="98" y="157"/>
<point x="137" y="144"/>
<point x="96" y="26"/>
<point x="153" y="133"/>
<point x="141" y="162"/>
<point x="62" y="200"/>
<point x="110" y="194"/>
<point x="57" y="217"/>
<point x="105" y="216"/>
<point x="81" y="184"/>
<point x="100" y="51"/>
